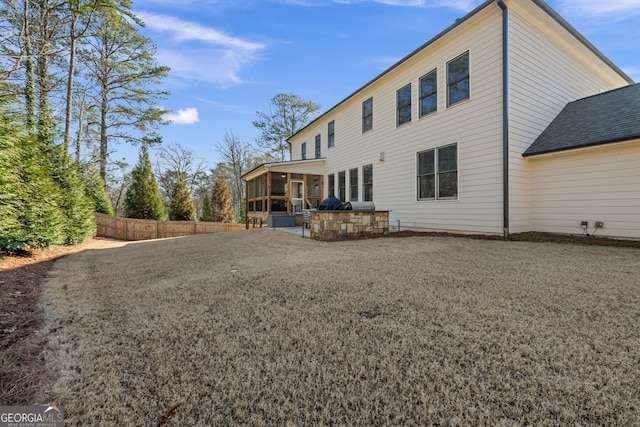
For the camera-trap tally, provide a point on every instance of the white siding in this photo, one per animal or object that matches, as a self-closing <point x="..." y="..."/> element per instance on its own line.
<point x="592" y="184"/>
<point x="476" y="125"/>
<point x="548" y="68"/>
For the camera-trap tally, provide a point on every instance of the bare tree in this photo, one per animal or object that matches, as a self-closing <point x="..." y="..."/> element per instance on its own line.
<point x="174" y="160"/>
<point x="119" y="178"/>
<point x="238" y="157"/>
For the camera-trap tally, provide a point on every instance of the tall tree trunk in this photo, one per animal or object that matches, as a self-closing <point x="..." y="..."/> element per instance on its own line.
<point x="29" y="88"/>
<point x="72" y="70"/>
<point x="79" y="134"/>
<point x="103" y="130"/>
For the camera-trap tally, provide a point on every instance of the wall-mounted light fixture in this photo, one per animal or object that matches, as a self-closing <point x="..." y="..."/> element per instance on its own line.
<point x="382" y="156"/>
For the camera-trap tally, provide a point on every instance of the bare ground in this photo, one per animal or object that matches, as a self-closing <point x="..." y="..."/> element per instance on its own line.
<point x="266" y="328"/>
<point x="341" y="333"/>
<point x="22" y="368"/>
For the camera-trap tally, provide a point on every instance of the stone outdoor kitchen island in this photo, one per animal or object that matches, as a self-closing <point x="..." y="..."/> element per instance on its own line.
<point x="339" y="225"/>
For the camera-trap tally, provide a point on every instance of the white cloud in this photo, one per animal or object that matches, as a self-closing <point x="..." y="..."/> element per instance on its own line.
<point x="463" y="5"/>
<point x="599" y="7"/>
<point x="197" y="52"/>
<point x="186" y="116"/>
<point x="182" y="30"/>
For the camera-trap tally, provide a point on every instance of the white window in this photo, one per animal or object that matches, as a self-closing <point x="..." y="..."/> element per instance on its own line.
<point x="458" y="79"/>
<point x="438" y="173"/>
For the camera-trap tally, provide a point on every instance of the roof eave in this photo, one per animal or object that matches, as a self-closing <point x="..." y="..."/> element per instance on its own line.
<point x="582" y="39"/>
<point x="575" y="147"/>
<point x="437" y="37"/>
<point x="272" y="165"/>
<point x="540" y="3"/>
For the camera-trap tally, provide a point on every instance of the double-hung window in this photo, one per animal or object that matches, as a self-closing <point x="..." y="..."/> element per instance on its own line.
<point x="458" y="79"/>
<point x="367" y="183"/>
<point x="331" y="131"/>
<point x="304" y="151"/>
<point x="332" y="184"/>
<point x="429" y="93"/>
<point x="438" y="173"/>
<point x="353" y="185"/>
<point x="403" y="105"/>
<point x="367" y="115"/>
<point x="318" y="148"/>
<point x="342" y="186"/>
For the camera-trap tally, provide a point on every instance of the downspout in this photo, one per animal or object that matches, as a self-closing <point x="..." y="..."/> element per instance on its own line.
<point x="505" y="117"/>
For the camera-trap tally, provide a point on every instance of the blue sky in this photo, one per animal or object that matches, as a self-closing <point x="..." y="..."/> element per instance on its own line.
<point x="230" y="57"/>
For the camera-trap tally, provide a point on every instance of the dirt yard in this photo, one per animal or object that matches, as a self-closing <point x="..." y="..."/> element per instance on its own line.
<point x="266" y="328"/>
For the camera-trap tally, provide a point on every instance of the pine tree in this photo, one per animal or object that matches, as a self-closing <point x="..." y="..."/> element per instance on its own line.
<point x="181" y="207"/>
<point x="206" y="209"/>
<point x="40" y="214"/>
<point x="221" y="207"/>
<point x="95" y="189"/>
<point x="10" y="189"/>
<point x="142" y="199"/>
<point x="77" y="207"/>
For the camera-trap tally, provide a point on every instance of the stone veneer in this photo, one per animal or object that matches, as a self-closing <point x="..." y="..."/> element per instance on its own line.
<point x="339" y="225"/>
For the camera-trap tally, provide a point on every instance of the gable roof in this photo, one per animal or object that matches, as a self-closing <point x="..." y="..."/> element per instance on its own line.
<point x="540" y="3"/>
<point x="608" y="117"/>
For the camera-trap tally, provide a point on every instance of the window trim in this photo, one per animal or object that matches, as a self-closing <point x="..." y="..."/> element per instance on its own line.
<point x="331" y="132"/>
<point x="366" y="184"/>
<point x="353" y="184"/>
<point x="466" y="77"/>
<point x="342" y="186"/>
<point x="318" y="147"/>
<point x="331" y="184"/>
<point x="364" y="117"/>
<point x="409" y="105"/>
<point x="436" y="173"/>
<point x="421" y="96"/>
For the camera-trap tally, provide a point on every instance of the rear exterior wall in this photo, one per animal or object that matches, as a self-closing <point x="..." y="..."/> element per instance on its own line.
<point x="475" y="125"/>
<point x="590" y="184"/>
<point x="548" y="68"/>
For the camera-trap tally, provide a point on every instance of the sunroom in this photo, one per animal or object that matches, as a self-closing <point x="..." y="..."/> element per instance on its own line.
<point x="280" y="192"/>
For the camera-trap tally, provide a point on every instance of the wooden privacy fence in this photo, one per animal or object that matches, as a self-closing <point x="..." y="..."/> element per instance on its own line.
<point x="143" y="229"/>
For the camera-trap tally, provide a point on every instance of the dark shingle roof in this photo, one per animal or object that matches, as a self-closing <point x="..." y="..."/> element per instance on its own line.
<point x="612" y="116"/>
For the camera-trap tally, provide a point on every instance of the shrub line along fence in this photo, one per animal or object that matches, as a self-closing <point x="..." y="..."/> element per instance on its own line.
<point x="142" y="229"/>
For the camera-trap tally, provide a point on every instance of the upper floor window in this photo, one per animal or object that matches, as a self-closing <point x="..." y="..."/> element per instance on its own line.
<point x="458" y="79"/>
<point x="404" y="105"/>
<point x="429" y="93"/>
<point x="367" y="183"/>
<point x="318" y="146"/>
<point x="367" y="115"/>
<point x="304" y="151"/>
<point x="438" y="173"/>
<point x="331" y="131"/>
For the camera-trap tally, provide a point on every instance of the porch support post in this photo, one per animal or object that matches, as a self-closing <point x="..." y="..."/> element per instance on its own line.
<point x="268" y="207"/>
<point x="246" y="205"/>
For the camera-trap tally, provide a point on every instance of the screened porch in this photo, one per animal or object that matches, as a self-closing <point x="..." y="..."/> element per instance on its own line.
<point x="276" y="189"/>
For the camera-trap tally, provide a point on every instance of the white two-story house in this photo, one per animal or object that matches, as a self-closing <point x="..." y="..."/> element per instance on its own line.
<point x="483" y="129"/>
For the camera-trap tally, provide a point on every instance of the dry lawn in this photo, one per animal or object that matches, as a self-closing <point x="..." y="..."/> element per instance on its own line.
<point x="405" y="331"/>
